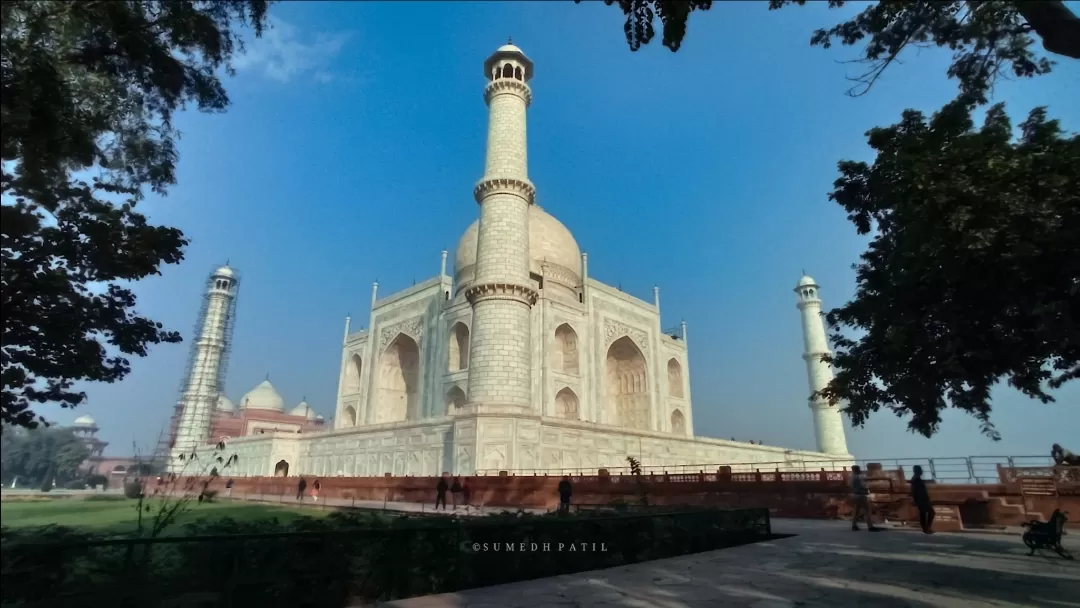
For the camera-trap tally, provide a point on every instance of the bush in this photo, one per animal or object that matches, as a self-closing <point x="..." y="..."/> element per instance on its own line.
<point x="133" y="489"/>
<point x="75" y="484"/>
<point x="98" y="481"/>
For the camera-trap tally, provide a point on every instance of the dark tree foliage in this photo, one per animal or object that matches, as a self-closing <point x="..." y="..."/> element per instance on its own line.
<point x="974" y="273"/>
<point x="987" y="38"/>
<point x="88" y="94"/>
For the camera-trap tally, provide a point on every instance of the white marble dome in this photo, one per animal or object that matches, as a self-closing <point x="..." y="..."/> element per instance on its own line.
<point x="224" y="404"/>
<point x="263" y="397"/>
<point x="303" y="410"/>
<point x="806" y="281"/>
<point x="549" y="241"/>
<point x="224" y="271"/>
<point x="85" y="421"/>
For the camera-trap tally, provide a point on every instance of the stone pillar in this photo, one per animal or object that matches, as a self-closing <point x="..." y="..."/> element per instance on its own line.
<point x="828" y="422"/>
<point x="502" y="295"/>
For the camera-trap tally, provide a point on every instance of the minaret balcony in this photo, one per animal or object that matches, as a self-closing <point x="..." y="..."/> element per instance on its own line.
<point x="504" y="185"/>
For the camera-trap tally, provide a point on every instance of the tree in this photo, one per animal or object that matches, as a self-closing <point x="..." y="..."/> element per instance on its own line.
<point x="974" y="272"/>
<point x="972" y="277"/>
<point x="89" y="90"/>
<point x="43" y="456"/>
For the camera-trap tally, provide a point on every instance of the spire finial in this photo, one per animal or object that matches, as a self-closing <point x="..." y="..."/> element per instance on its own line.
<point x="227" y="261"/>
<point x="509" y="40"/>
<point x="267" y="376"/>
<point x="804" y="272"/>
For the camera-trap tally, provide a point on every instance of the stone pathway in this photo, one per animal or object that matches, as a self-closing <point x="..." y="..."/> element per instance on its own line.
<point x="826" y="565"/>
<point x="377" y="505"/>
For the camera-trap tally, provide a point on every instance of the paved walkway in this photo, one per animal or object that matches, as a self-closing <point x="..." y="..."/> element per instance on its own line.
<point x="826" y="565"/>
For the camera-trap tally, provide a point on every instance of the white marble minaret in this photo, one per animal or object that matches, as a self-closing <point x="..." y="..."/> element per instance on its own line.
<point x="828" y="422"/>
<point x="500" y="354"/>
<point x="206" y="366"/>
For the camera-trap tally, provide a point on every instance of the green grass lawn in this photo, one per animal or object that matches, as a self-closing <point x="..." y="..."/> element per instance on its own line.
<point x="119" y="516"/>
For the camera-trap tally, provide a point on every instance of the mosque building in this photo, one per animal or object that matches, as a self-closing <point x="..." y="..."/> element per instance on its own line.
<point x="518" y="361"/>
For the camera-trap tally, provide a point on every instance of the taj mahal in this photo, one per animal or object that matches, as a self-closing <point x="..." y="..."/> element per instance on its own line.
<point x="515" y="361"/>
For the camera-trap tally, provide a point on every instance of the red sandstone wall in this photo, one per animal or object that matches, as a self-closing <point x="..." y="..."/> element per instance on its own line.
<point x="808" y="495"/>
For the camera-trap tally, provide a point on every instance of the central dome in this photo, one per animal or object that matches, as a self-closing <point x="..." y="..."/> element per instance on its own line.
<point x="550" y="243"/>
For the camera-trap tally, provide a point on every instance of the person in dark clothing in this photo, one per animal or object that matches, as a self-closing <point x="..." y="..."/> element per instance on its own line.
<point x="921" y="496"/>
<point x="1063" y="457"/>
<point x="465" y="491"/>
<point x="300" y="487"/>
<point x="565" y="492"/>
<point x="228" y="488"/>
<point x="440" y="493"/>
<point x="455" y="489"/>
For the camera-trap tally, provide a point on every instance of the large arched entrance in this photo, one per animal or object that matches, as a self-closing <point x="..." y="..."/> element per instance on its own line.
<point x="281" y="469"/>
<point x="627" y="386"/>
<point x="399" y="375"/>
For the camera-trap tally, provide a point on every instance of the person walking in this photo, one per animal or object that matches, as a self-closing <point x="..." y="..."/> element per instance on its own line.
<point x="860" y="499"/>
<point x="566" y="490"/>
<point x="466" y="491"/>
<point x="300" y="487"/>
<point x="440" y="493"/>
<point x="921" y="496"/>
<point x="315" y="487"/>
<point x="455" y="490"/>
<point x="228" y="488"/>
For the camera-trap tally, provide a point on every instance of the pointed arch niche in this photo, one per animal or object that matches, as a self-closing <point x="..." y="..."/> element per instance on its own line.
<point x="566" y="350"/>
<point x="352" y="375"/>
<point x="348" y="416"/>
<point x="399" y="385"/>
<point x="627" y="386"/>
<point x="678" y="423"/>
<point x="566" y="404"/>
<point x="458" y="358"/>
<point x="455" y="398"/>
<point x="674" y="378"/>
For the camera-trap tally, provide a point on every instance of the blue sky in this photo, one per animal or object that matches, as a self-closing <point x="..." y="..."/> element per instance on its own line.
<point x="357" y="131"/>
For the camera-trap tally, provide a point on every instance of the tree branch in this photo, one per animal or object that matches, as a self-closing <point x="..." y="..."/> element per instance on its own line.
<point x="1058" y="26"/>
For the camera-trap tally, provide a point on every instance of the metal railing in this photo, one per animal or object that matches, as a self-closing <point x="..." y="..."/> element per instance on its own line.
<point x="966" y="469"/>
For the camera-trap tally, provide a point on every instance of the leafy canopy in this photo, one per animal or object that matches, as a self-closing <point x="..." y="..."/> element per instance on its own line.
<point x="88" y="94"/>
<point x="974" y="273"/>
<point x="35" y="455"/>
<point x="974" y="270"/>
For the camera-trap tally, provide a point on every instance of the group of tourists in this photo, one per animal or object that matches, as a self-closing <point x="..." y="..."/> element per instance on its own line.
<point x="457" y="488"/>
<point x="314" y="492"/>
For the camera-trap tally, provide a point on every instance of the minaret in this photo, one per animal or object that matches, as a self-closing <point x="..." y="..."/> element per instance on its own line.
<point x="501" y="293"/>
<point x="828" y="423"/>
<point x="206" y="366"/>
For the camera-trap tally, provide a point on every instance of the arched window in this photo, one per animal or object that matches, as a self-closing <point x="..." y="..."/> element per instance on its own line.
<point x="517" y="74"/>
<point x="627" y="390"/>
<point x="458" y="348"/>
<point x="349" y="415"/>
<point x="566" y="404"/>
<point x="455" y="398"/>
<point x="508" y="71"/>
<point x="678" y="423"/>
<point x="566" y="349"/>
<point x="352" y="375"/>
<point x="674" y="379"/>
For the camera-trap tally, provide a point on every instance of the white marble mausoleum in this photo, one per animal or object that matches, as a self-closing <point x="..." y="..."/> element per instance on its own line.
<point x="518" y="360"/>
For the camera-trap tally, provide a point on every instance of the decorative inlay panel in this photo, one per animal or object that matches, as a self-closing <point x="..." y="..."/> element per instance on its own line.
<point x="414" y="328"/>
<point x="613" y="330"/>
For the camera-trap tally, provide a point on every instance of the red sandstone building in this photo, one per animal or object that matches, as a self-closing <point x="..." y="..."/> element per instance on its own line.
<point x="262" y="410"/>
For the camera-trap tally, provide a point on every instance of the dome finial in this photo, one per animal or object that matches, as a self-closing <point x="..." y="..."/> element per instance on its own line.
<point x="509" y="40"/>
<point x="804" y="272"/>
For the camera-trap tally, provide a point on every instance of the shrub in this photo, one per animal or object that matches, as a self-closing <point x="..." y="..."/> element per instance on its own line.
<point x="75" y="484"/>
<point x="97" y="481"/>
<point x="133" y="489"/>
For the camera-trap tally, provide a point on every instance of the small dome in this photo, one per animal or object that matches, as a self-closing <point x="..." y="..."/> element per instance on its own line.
<point x="303" y="410"/>
<point x="806" y="281"/>
<point x="85" y="421"/>
<point x="509" y="48"/>
<point x="263" y="397"/>
<point x="319" y="417"/>
<point x="224" y="271"/>
<point x="549" y="242"/>
<point x="224" y="405"/>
